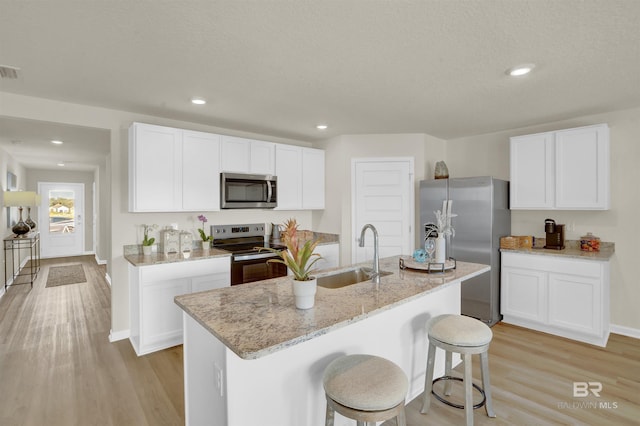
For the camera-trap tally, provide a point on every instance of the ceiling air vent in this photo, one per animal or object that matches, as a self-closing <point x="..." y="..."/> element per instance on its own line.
<point x="8" y="72"/>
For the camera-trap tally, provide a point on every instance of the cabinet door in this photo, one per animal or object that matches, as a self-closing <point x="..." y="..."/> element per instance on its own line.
<point x="155" y="168"/>
<point x="289" y="172"/>
<point x="219" y="276"/>
<point x="210" y="282"/>
<point x="161" y="317"/>
<point x="313" y="178"/>
<point x="532" y="172"/>
<point x="235" y="154"/>
<point x="263" y="161"/>
<point x="523" y="294"/>
<point x="200" y="171"/>
<point x="575" y="303"/>
<point x="582" y="168"/>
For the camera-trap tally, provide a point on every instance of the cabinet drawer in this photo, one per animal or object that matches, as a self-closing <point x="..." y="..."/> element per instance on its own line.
<point x="169" y="271"/>
<point x="585" y="268"/>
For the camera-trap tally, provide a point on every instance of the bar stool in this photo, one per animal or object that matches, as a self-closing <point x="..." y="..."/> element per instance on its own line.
<point x="365" y="388"/>
<point x="466" y="336"/>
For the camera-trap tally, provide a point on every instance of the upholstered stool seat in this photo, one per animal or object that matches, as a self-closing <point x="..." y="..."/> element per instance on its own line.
<point x="365" y="388"/>
<point x="466" y="336"/>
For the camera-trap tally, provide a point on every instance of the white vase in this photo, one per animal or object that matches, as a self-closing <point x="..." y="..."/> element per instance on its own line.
<point x="146" y="250"/>
<point x="441" y="249"/>
<point x="304" y="293"/>
<point x="206" y="245"/>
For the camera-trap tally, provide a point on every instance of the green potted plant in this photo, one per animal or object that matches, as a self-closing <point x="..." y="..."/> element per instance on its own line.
<point x="299" y="258"/>
<point x="206" y="239"/>
<point x="147" y="242"/>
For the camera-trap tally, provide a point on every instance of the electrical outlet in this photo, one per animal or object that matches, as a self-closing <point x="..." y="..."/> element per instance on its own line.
<point x="219" y="378"/>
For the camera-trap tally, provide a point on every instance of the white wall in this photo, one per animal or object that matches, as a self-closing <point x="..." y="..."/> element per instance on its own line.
<point x="489" y="155"/>
<point x="9" y="164"/>
<point x="125" y="225"/>
<point x="339" y="151"/>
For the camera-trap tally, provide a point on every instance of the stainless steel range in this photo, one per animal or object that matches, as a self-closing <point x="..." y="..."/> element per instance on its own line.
<point x="248" y="264"/>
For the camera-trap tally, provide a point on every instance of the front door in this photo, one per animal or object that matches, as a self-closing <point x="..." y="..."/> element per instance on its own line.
<point x="61" y="219"/>
<point x="383" y="195"/>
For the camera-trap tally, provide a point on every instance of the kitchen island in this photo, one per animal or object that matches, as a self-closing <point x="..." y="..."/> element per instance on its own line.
<point x="251" y="357"/>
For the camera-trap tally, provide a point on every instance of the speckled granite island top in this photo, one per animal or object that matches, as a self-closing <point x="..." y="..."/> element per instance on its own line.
<point x="256" y="319"/>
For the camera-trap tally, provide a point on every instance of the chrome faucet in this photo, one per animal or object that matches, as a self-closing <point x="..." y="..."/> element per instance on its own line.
<point x="376" y="256"/>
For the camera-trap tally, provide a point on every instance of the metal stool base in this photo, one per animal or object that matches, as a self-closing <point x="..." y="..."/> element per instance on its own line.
<point x="441" y="399"/>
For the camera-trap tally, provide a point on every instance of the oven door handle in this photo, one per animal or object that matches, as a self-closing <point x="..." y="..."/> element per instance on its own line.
<point x="254" y="256"/>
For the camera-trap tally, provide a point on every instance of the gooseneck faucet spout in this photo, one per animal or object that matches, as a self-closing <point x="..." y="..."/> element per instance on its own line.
<point x="376" y="257"/>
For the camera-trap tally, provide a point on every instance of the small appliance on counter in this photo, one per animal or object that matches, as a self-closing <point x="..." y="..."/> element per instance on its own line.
<point x="555" y="235"/>
<point x="275" y="232"/>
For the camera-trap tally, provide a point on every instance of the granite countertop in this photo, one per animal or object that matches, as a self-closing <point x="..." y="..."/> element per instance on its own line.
<point x="572" y="250"/>
<point x="259" y="318"/>
<point x="133" y="256"/>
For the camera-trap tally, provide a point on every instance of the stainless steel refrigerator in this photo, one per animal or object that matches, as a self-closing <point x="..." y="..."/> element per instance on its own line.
<point x="483" y="216"/>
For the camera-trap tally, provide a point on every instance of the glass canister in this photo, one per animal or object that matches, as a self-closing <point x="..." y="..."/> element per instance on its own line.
<point x="589" y="242"/>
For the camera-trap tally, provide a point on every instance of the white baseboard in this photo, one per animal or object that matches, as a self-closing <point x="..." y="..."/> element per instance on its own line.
<point x="625" y="331"/>
<point x="100" y="261"/>
<point x="118" y="335"/>
<point x="108" y="278"/>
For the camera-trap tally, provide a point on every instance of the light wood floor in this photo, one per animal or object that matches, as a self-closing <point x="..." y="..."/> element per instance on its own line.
<point x="57" y="367"/>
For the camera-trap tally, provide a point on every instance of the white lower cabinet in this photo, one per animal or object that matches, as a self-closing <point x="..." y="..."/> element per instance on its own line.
<point x="155" y="320"/>
<point x="564" y="296"/>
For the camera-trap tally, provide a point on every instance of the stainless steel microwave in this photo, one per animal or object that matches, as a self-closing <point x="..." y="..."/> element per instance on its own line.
<point x="245" y="191"/>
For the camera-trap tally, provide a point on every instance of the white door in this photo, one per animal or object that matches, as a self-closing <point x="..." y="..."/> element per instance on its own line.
<point x="61" y="219"/>
<point x="382" y="195"/>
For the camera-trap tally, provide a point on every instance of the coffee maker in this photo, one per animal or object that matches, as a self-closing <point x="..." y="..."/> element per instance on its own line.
<point x="555" y="235"/>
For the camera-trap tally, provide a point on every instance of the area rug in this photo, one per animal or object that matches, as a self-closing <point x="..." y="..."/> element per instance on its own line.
<point x="63" y="275"/>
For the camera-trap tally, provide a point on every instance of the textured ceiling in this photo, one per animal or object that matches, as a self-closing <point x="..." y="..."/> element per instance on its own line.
<point x="280" y="67"/>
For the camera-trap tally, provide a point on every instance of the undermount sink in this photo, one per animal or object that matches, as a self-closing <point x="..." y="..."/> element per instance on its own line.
<point x="346" y="278"/>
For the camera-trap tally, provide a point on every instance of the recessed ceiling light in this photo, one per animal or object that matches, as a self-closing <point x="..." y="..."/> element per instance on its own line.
<point x="321" y="127"/>
<point x="61" y="164"/>
<point x="198" y="101"/>
<point x="520" y="70"/>
<point x="57" y="142"/>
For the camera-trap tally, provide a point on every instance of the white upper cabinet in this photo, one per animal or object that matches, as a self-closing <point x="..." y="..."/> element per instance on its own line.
<point x="300" y="174"/>
<point x="155" y="168"/>
<point x="200" y="171"/>
<point x="175" y="170"/>
<point x="240" y="155"/>
<point x="289" y="173"/>
<point x="172" y="170"/>
<point x="562" y="170"/>
<point x="263" y="158"/>
<point x="582" y="168"/>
